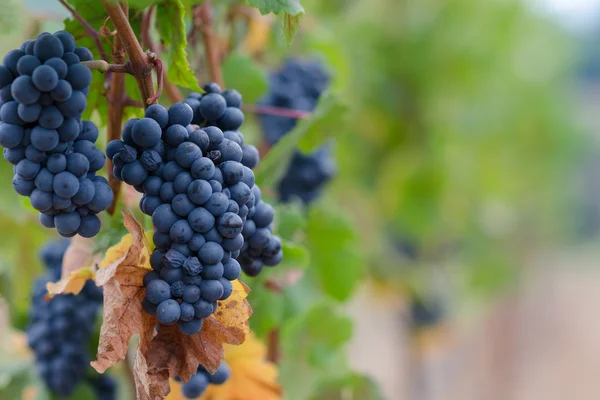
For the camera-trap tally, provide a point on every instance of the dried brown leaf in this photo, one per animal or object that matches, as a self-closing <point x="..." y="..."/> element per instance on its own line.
<point x="169" y="353"/>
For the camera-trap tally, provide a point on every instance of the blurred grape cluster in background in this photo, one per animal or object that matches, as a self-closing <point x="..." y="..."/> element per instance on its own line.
<point x="458" y="219"/>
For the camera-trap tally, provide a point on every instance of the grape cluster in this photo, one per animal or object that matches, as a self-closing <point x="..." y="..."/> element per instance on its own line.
<point x="59" y="329"/>
<point x="198" y="186"/>
<point x="199" y="382"/>
<point x="43" y="88"/>
<point x="298" y="85"/>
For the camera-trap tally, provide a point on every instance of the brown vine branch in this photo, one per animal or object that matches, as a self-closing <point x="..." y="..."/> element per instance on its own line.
<point x="89" y="29"/>
<point x="141" y="62"/>
<point x="277" y="111"/>
<point x="159" y="79"/>
<point x="203" y="18"/>
<point x="104" y="67"/>
<point x="129" y="102"/>
<point x="172" y="91"/>
<point x="115" y="96"/>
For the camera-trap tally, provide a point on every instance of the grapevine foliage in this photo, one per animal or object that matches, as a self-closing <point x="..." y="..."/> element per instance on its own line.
<point x="198" y="186"/>
<point x="43" y="89"/>
<point x="60" y="329"/>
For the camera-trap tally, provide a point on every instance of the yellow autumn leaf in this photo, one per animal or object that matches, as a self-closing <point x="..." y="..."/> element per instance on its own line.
<point x="71" y="284"/>
<point x="252" y="376"/>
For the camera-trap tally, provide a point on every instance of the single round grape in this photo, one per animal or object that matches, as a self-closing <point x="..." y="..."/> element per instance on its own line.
<point x="167" y="192"/>
<point x="182" y="205"/>
<point x="159" y="114"/>
<point x="85" y="194"/>
<point x="164" y="217"/>
<point x="149" y="307"/>
<point x="6" y="77"/>
<point x="191" y="294"/>
<point x="181" y="231"/>
<point x="190" y="328"/>
<point x="196" y="242"/>
<point x="200" y="139"/>
<point x="161" y="240"/>
<point x="28" y="113"/>
<point x="47" y="221"/>
<point x="175" y="135"/>
<point x="103" y="197"/>
<point x="187" y="311"/>
<point x="146" y="133"/>
<point x="56" y="163"/>
<point x="90" y="226"/>
<point x="83" y="53"/>
<point x="217" y="204"/>
<point x="152" y="185"/>
<point x="202" y="307"/>
<point x="158" y="291"/>
<point x="187" y="153"/>
<point x="201" y="220"/>
<point x="210" y="253"/>
<point x="34" y="155"/>
<point x="89" y="131"/>
<point x="215" y="136"/>
<point x="232" y="97"/>
<point x="235" y="136"/>
<point x="182" y="182"/>
<point x="22" y="186"/>
<point x="240" y="193"/>
<point x="27" y="64"/>
<point x="69" y="130"/>
<point x="14" y="155"/>
<point x="114" y="147"/>
<point x="212" y="106"/>
<point x="230" y="225"/>
<point x="67" y="223"/>
<point x="134" y="173"/>
<point x="9" y="113"/>
<point x="11" y="135"/>
<point x="203" y="168"/>
<point x="230" y="151"/>
<point x="48" y="46"/>
<point x="70" y="58"/>
<point x="211" y="290"/>
<point x="51" y="118"/>
<point x="59" y="66"/>
<point x="11" y="59"/>
<point x="215" y="186"/>
<point x="74" y="106"/>
<point x="182" y="248"/>
<point x="212" y="87"/>
<point x="231" y="269"/>
<point x="263" y="215"/>
<point x="45" y="78"/>
<point x="27" y="169"/>
<point x="213" y="236"/>
<point x="221" y="376"/>
<point x="44" y="180"/>
<point x="150" y="203"/>
<point x="23" y="90"/>
<point x="250" y="156"/>
<point x="126" y="134"/>
<point x="214" y="271"/>
<point x="40" y="200"/>
<point x="171" y="275"/>
<point x="67" y="40"/>
<point x="199" y="191"/>
<point x="233" y="244"/>
<point x="232" y="172"/>
<point x="232" y="119"/>
<point x="180" y="114"/>
<point x="273" y="261"/>
<point x="156" y="260"/>
<point x="59" y="203"/>
<point x="168" y="312"/>
<point x="65" y="184"/>
<point x="79" y="76"/>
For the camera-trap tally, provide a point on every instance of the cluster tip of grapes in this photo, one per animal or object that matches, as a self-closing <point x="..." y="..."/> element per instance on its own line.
<point x="43" y="89"/>
<point x="200" y="381"/>
<point x="59" y="330"/>
<point x="298" y="85"/>
<point x="198" y="186"/>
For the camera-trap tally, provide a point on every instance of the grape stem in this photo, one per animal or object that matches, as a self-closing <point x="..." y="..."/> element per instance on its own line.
<point x="277" y="111"/>
<point x="142" y="63"/>
<point x="91" y="31"/>
<point x="171" y="90"/>
<point x="203" y="20"/>
<point x="104" y="67"/>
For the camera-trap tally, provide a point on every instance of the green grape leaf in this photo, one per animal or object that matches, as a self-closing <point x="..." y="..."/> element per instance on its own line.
<point x="291" y="219"/>
<point x="292" y="12"/>
<point x="274" y="164"/>
<point x="334" y="246"/>
<point x="268" y="310"/>
<point x="171" y="27"/>
<point x="330" y="124"/>
<point x="294" y="255"/>
<point x="245" y="75"/>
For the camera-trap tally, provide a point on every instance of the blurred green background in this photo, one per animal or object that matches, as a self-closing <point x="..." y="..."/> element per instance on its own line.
<point x="463" y="143"/>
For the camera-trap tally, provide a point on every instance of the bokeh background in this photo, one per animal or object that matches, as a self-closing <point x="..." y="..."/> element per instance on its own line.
<point x="466" y="192"/>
